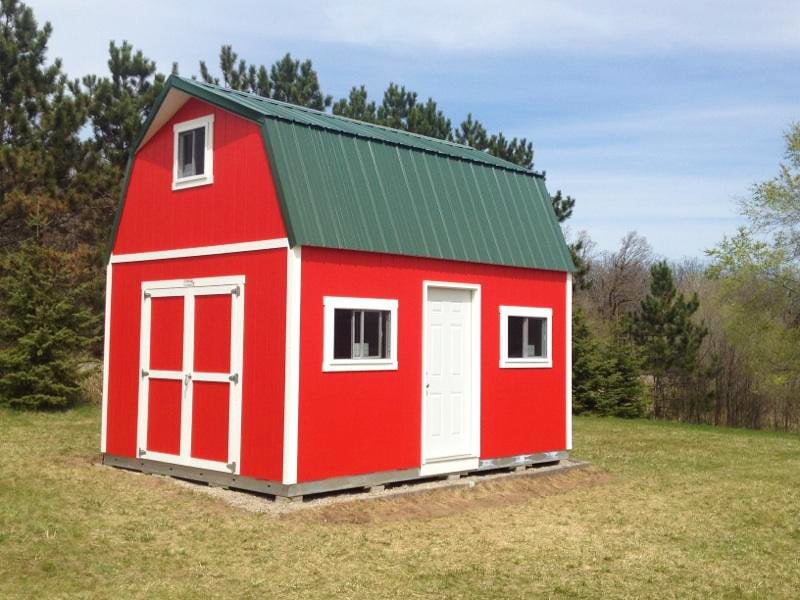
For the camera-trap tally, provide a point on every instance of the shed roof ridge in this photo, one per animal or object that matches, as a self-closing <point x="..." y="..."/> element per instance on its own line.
<point x="502" y="163"/>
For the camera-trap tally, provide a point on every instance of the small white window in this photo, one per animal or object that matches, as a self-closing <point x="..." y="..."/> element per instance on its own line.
<point x="194" y="157"/>
<point x="360" y="334"/>
<point x="526" y="337"/>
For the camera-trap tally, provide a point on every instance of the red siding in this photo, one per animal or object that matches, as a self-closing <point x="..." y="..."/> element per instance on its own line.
<point x="362" y="422"/>
<point x="264" y="351"/>
<point x="241" y="205"/>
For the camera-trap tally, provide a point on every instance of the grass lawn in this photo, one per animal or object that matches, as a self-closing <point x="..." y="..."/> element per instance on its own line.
<point x="668" y="510"/>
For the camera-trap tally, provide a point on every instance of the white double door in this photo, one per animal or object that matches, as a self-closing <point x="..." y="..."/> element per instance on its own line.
<point x="190" y="372"/>
<point x="450" y="399"/>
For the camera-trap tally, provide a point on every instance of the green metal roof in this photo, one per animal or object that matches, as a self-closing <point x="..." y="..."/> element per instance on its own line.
<point x="352" y="185"/>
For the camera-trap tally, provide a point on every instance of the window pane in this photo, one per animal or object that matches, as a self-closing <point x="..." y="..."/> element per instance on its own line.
<point x="515" y="325"/>
<point x="537" y="338"/>
<point x="374" y="334"/>
<point x="342" y="333"/>
<point x="199" y="150"/>
<point x="185" y="166"/>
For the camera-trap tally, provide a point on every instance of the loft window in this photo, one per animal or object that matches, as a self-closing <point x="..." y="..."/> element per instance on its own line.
<point x="360" y="334"/>
<point x="525" y="337"/>
<point x="193" y="153"/>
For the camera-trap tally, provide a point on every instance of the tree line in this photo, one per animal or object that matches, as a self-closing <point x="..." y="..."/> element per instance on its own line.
<point x="711" y="342"/>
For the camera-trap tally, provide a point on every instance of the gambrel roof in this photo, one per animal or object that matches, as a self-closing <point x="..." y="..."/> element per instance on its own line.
<point x="352" y="185"/>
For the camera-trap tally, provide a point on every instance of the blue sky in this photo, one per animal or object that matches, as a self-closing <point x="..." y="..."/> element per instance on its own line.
<point x="656" y="118"/>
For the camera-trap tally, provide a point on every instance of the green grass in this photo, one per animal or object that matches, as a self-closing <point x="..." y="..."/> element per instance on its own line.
<point x="668" y="511"/>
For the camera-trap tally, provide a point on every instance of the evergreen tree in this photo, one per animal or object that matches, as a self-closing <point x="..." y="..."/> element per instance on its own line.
<point x="357" y="106"/>
<point x="623" y="389"/>
<point x="664" y="331"/>
<point x="119" y="103"/>
<point x="606" y="376"/>
<point x="563" y="205"/>
<point x="41" y="115"/>
<point x="44" y="334"/>
<point x="587" y="366"/>
<point x="287" y="80"/>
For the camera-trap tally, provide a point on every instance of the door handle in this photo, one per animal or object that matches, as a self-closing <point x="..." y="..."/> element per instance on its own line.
<point x="187" y="378"/>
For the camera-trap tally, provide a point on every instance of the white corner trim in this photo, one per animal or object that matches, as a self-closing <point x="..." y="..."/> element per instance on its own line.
<point x="207" y="177"/>
<point x="568" y="361"/>
<point x="291" y="403"/>
<point x="106" y="358"/>
<point x="525" y="363"/>
<point x="331" y="364"/>
<point x="477" y="336"/>
<point x="270" y="244"/>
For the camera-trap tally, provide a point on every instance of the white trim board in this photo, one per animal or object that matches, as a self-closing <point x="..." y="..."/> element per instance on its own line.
<point x="207" y="176"/>
<point x="106" y="358"/>
<point x="331" y="364"/>
<point x="568" y="362"/>
<point x="544" y="362"/>
<point x="291" y="400"/>
<point x="189" y="289"/>
<point x="442" y="466"/>
<point x="269" y="244"/>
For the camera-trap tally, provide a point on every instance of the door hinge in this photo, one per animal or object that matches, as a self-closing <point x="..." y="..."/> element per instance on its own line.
<point x="145" y="373"/>
<point x="142" y="451"/>
<point x="236" y="291"/>
<point x="146" y="295"/>
<point x="234" y="378"/>
<point x="231" y="466"/>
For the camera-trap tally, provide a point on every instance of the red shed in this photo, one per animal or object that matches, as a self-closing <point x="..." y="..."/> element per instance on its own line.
<point x="299" y="302"/>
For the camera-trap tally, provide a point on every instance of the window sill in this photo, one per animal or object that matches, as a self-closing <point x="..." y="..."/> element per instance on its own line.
<point x="359" y="365"/>
<point x="190" y="182"/>
<point x="526" y="363"/>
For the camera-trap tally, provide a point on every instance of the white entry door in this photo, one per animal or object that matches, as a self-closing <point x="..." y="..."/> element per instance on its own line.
<point x="190" y="372"/>
<point x="450" y="426"/>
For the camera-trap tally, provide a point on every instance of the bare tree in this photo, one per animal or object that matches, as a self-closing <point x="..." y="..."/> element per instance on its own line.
<point x="619" y="279"/>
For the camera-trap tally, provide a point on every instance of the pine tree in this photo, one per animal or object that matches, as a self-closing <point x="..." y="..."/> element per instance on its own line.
<point x="587" y="366"/>
<point x="563" y="206"/>
<point x="606" y="375"/>
<point x="44" y="333"/>
<point x="119" y="103"/>
<point x="664" y="331"/>
<point x="357" y="106"/>
<point x="41" y="116"/>
<point x="623" y="389"/>
<point x="287" y="80"/>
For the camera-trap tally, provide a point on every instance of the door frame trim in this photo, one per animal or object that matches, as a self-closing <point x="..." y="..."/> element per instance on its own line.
<point x="431" y="467"/>
<point x="188" y="289"/>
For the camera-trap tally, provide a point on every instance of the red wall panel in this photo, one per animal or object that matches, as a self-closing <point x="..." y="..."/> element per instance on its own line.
<point x="361" y="422"/>
<point x="264" y="351"/>
<point x="241" y="205"/>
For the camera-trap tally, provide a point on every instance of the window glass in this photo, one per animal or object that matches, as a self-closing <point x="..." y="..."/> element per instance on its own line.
<point x="360" y="333"/>
<point x="515" y="327"/>
<point x="537" y="338"/>
<point x="191" y="152"/>
<point x="342" y="333"/>
<point x="527" y="337"/>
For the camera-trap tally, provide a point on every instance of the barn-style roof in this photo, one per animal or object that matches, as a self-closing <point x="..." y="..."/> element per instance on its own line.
<point x="353" y="185"/>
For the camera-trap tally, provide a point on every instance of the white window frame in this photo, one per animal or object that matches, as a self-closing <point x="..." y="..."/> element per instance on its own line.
<point x="331" y="364"/>
<point x="532" y="362"/>
<point x="180" y="183"/>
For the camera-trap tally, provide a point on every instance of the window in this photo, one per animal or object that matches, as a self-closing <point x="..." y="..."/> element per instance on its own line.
<point x="525" y="337"/>
<point x="193" y="153"/>
<point x="360" y="334"/>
